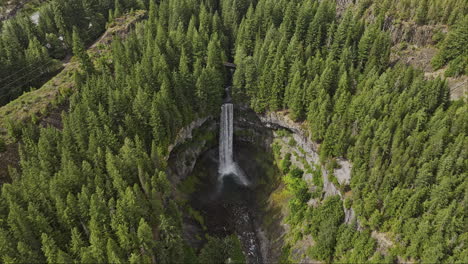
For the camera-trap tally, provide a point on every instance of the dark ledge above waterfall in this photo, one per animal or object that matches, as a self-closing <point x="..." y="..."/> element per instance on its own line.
<point x="227" y="99"/>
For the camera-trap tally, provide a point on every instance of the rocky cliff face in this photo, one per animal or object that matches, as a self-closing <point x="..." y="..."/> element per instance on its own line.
<point x="412" y="33"/>
<point x="341" y="5"/>
<point x="186" y="149"/>
<point x="306" y="149"/>
<point x="304" y="152"/>
<point x="249" y="128"/>
<point x="186" y="132"/>
<point x="10" y="9"/>
<point x="261" y="131"/>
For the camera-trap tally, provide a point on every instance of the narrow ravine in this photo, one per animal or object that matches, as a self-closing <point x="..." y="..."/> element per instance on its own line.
<point x="226" y="195"/>
<point x="228" y="206"/>
<point x="233" y="186"/>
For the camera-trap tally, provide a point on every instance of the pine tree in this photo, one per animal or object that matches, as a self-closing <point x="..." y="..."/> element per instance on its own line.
<point x="421" y="12"/>
<point x="279" y="84"/>
<point x="209" y="90"/>
<point x="296" y="100"/>
<point x="114" y="254"/>
<point x="80" y="51"/>
<point x="145" y="238"/>
<point x="327" y="80"/>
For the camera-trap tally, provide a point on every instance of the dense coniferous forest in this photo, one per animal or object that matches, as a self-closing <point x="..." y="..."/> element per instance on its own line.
<point x="406" y="141"/>
<point x="30" y="52"/>
<point x="97" y="191"/>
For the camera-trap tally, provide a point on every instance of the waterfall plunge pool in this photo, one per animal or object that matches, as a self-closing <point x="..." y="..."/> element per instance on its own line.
<point x="226" y="204"/>
<point x="228" y="190"/>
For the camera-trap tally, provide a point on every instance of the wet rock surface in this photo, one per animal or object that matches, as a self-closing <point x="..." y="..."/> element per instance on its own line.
<point x="245" y="228"/>
<point x="228" y="207"/>
<point x="231" y="208"/>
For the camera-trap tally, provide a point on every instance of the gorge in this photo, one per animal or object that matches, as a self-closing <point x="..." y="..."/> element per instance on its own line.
<point x="234" y="131"/>
<point x="231" y="205"/>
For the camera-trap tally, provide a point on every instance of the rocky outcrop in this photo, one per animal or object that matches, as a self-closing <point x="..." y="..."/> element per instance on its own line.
<point x="343" y="173"/>
<point x="120" y="27"/>
<point x="186" y="132"/>
<point x="341" y="5"/>
<point x="250" y="129"/>
<point x="306" y="149"/>
<point x="184" y="152"/>
<point x="383" y="242"/>
<point x="183" y="162"/>
<point x="10" y="9"/>
<point x="412" y="33"/>
<point x="305" y="153"/>
<point x="420" y="57"/>
<point x="349" y="216"/>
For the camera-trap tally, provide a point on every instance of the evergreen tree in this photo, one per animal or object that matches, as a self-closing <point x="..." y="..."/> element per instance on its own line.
<point x="421" y="12"/>
<point x="80" y="52"/>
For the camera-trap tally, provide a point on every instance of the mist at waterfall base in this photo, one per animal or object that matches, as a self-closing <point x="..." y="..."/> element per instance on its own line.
<point x="227" y="165"/>
<point x="227" y="205"/>
<point x="229" y="177"/>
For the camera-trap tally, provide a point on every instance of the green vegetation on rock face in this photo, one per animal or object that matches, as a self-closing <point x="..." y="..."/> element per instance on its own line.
<point x="333" y="240"/>
<point x="453" y="50"/>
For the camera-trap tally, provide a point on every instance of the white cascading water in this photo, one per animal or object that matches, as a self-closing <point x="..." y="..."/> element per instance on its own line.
<point x="227" y="166"/>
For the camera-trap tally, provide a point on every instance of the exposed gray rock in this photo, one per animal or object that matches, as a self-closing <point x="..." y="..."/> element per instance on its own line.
<point x="183" y="161"/>
<point x="383" y="242"/>
<point x="186" y="132"/>
<point x="349" y="215"/>
<point x="341" y="6"/>
<point x="412" y="33"/>
<point x="35" y="17"/>
<point x="328" y="187"/>
<point x="343" y="174"/>
<point x="306" y="149"/>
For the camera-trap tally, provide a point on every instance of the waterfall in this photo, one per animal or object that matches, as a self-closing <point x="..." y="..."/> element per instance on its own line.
<point x="225" y="139"/>
<point x="227" y="166"/>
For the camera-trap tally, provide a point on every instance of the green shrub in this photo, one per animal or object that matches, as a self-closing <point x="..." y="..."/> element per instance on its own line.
<point x="437" y="62"/>
<point x="14" y="129"/>
<point x="317" y="193"/>
<point x="283" y="133"/>
<point x="317" y="179"/>
<point x="285" y="253"/>
<point x="286" y="163"/>
<point x="348" y="203"/>
<point x="276" y="148"/>
<point x="333" y="180"/>
<point x="303" y="194"/>
<point x="296" y="173"/>
<point x="457" y="67"/>
<point x="438" y="36"/>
